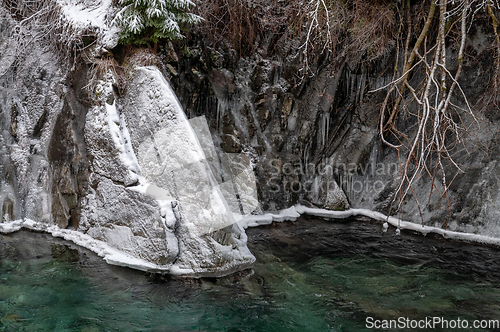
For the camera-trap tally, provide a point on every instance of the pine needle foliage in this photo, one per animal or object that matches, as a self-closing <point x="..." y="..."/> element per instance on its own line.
<point x="145" y="21"/>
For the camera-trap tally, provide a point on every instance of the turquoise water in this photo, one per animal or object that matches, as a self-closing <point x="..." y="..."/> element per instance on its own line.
<point x="310" y="275"/>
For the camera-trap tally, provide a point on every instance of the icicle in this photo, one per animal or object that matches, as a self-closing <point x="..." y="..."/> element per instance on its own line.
<point x="346" y="180"/>
<point x="327" y="125"/>
<point x="373" y="160"/>
<point x="348" y="81"/>
<point x="343" y="184"/>
<point x="306" y="154"/>
<point x="362" y="84"/>
<point x="222" y="106"/>
<point x="217" y="125"/>
<point x="323" y="130"/>
<point x="352" y="86"/>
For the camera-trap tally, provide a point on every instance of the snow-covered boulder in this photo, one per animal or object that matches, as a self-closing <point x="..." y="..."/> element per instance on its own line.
<point x="153" y="195"/>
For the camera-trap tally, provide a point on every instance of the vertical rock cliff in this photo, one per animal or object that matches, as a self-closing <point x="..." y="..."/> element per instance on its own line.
<point x="315" y="138"/>
<point x="122" y="173"/>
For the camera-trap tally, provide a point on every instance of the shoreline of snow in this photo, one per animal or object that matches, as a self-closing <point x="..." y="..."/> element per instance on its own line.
<point x="110" y="255"/>
<point x="114" y="256"/>
<point x="294" y="212"/>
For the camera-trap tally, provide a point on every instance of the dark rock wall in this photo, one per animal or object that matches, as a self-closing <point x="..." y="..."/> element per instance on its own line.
<point x="43" y="163"/>
<point x="291" y="125"/>
<point x="260" y="105"/>
<point x="304" y="134"/>
<point x="257" y="105"/>
<point x="68" y="156"/>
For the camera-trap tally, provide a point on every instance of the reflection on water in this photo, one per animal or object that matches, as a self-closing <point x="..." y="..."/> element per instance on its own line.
<point x="310" y="275"/>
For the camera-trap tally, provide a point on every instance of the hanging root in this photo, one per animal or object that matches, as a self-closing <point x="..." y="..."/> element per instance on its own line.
<point x="440" y="124"/>
<point x="494" y="23"/>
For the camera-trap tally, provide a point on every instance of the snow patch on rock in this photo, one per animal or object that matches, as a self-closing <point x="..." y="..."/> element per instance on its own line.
<point x="89" y="14"/>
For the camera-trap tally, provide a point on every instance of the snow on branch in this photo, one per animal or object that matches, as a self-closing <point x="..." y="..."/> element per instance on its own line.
<point x="143" y="21"/>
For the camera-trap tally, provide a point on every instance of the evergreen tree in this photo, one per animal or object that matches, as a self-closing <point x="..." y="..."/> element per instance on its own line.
<point x="143" y="21"/>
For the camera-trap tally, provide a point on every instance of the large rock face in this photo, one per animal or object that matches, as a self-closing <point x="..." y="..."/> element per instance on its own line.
<point x="38" y="141"/>
<point x="258" y="107"/>
<point x="152" y="193"/>
<point x="127" y="171"/>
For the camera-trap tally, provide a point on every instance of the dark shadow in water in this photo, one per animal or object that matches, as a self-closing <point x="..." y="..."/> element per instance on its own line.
<point x="307" y="238"/>
<point x="310" y="275"/>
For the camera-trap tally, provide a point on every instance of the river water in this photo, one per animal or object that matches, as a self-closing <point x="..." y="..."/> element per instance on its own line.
<point x="310" y="275"/>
